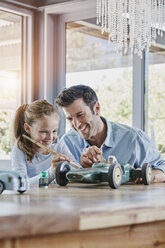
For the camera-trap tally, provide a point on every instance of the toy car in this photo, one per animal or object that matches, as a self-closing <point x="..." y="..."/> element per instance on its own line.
<point x="11" y="180"/>
<point x="113" y="173"/>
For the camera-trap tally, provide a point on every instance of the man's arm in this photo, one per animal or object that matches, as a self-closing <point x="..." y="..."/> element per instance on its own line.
<point x="74" y="143"/>
<point x="147" y="152"/>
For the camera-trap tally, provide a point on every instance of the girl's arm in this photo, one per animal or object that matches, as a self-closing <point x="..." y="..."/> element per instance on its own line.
<point x="19" y="165"/>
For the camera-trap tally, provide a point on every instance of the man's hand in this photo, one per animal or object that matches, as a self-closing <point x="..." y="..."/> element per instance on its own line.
<point x="91" y="155"/>
<point x="158" y="176"/>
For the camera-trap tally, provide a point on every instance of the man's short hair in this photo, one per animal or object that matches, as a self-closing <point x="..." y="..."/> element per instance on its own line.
<point x="69" y="95"/>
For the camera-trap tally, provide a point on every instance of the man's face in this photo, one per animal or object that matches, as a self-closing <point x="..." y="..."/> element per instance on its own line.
<point x="82" y="119"/>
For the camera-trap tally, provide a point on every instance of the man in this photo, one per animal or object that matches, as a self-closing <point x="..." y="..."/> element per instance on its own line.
<point x="93" y="137"/>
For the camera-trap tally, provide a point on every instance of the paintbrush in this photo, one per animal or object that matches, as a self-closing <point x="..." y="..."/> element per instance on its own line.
<point x="49" y="150"/>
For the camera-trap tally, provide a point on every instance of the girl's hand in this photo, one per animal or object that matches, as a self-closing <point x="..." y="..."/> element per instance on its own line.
<point x="56" y="159"/>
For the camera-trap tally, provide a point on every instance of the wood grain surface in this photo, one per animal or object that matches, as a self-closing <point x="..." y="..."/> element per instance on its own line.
<point x="117" y="237"/>
<point x="77" y="210"/>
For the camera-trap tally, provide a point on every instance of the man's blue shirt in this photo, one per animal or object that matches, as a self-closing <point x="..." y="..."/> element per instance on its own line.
<point x="129" y="145"/>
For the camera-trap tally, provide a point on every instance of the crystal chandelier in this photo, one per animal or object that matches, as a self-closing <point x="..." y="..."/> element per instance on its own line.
<point x="132" y="23"/>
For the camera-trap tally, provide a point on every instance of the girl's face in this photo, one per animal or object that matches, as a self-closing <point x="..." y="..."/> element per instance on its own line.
<point x="44" y="130"/>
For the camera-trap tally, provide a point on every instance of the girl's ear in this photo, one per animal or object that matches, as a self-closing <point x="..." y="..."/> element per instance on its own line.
<point x="27" y="128"/>
<point x="97" y="108"/>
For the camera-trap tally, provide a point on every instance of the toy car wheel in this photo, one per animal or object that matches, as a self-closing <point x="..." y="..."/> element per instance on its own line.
<point x="146" y="174"/>
<point x="61" y="170"/>
<point x="21" y="192"/>
<point x="2" y="187"/>
<point x="114" y="175"/>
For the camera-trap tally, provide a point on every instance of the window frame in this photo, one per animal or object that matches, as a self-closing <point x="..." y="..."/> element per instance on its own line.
<point x="43" y="57"/>
<point x="75" y="11"/>
<point x="27" y="86"/>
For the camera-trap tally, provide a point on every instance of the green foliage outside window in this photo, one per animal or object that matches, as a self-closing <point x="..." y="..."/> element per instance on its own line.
<point x="5" y="132"/>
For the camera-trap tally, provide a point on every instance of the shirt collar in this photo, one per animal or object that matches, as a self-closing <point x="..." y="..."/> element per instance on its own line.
<point x="109" y="139"/>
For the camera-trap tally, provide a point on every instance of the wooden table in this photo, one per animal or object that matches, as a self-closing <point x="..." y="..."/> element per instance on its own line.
<point x="80" y="216"/>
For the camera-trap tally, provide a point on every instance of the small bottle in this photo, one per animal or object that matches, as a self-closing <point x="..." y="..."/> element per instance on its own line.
<point x="43" y="180"/>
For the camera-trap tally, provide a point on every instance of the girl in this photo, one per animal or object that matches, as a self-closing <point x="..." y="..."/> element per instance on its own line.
<point x="38" y="120"/>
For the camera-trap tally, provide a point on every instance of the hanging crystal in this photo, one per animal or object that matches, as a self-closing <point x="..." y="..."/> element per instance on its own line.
<point x="131" y="23"/>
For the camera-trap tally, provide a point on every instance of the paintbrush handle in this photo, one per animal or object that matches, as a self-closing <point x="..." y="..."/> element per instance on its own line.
<point x="39" y="144"/>
<point x="46" y="148"/>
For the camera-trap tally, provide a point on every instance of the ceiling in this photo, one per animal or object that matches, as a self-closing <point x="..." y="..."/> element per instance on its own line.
<point x="37" y="3"/>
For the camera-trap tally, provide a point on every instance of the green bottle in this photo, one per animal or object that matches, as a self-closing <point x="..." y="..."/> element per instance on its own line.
<point x="43" y="180"/>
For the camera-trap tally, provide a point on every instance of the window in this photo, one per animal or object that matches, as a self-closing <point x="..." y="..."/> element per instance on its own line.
<point x="10" y="75"/>
<point x="156" y="96"/>
<point x="92" y="60"/>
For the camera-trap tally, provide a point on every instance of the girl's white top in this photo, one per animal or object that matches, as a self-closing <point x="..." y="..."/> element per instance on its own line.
<point x="40" y="162"/>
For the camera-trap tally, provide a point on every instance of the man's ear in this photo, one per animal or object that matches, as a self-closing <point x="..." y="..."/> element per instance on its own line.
<point x="96" y="108"/>
<point x="26" y="128"/>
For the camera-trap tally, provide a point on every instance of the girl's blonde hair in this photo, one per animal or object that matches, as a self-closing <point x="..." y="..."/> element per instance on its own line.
<point x="30" y="113"/>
